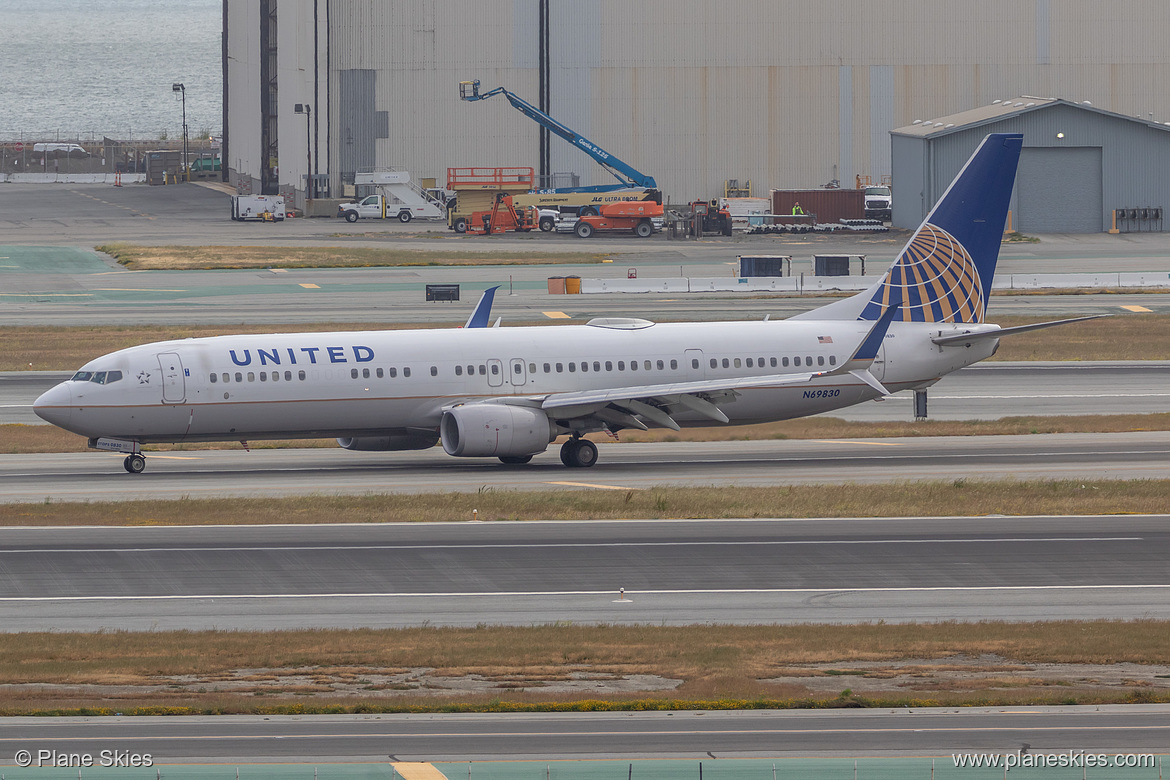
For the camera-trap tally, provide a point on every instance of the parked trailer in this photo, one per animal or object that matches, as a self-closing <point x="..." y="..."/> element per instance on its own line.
<point x="258" y="208"/>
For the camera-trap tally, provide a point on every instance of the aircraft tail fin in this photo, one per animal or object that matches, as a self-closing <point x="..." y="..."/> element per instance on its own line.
<point x="944" y="273"/>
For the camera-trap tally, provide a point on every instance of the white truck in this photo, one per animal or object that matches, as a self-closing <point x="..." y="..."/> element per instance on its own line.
<point x="879" y="203"/>
<point x="397" y="197"/>
<point x="258" y="208"/>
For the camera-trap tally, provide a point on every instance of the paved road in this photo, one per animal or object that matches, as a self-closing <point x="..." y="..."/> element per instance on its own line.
<point x="986" y="391"/>
<point x="673" y="572"/>
<point x="98" y="476"/>
<point x="773" y="734"/>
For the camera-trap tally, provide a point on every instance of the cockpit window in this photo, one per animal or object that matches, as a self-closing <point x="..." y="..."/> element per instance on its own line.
<point x="99" y="378"/>
<point x="113" y="376"/>
<point x="82" y="376"/>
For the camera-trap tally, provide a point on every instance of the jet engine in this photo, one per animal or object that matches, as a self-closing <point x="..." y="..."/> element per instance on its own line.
<point x="406" y="441"/>
<point x="496" y="430"/>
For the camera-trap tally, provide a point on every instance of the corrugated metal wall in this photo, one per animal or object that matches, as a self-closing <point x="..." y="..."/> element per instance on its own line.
<point x="1134" y="160"/>
<point x="786" y="93"/>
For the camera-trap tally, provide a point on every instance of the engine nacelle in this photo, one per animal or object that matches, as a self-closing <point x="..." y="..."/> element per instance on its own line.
<point x="495" y="430"/>
<point x="409" y="441"/>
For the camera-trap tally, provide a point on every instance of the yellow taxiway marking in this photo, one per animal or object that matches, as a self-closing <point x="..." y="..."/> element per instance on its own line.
<point x="589" y="485"/>
<point x="1136" y="308"/>
<point x="310" y="286"/>
<point x="134" y="289"/>
<point x="412" y="770"/>
<point x="556" y="315"/>
<point x="854" y="441"/>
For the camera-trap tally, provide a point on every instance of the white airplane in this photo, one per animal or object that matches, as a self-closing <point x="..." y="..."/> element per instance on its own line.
<point x="510" y="392"/>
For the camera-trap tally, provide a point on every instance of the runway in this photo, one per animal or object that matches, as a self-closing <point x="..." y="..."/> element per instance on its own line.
<point x="98" y="476"/>
<point x="787" y="734"/>
<point x="672" y="572"/>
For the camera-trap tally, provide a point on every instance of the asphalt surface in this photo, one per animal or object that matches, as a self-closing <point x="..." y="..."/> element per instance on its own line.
<point x="707" y="735"/>
<point x="98" y="476"/>
<point x="68" y="284"/>
<point x="985" y="391"/>
<point x="672" y="572"/>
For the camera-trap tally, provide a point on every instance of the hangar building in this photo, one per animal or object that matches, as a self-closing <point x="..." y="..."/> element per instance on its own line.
<point x="1079" y="164"/>
<point x="784" y="93"/>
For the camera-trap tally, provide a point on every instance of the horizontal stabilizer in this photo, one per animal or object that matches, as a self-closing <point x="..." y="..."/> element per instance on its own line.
<point x="967" y="338"/>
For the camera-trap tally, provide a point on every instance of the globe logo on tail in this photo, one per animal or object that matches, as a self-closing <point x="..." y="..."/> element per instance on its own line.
<point x="934" y="280"/>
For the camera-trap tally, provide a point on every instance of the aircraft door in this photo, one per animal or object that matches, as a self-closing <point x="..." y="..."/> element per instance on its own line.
<point x="517" y="372"/>
<point x="878" y="367"/>
<point x="693" y="362"/>
<point x="495" y="373"/>
<point x="174" y="383"/>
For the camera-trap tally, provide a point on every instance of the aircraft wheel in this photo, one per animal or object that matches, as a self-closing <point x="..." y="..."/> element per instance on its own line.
<point x="568" y="452"/>
<point x="134" y="464"/>
<point x="404" y="216"/>
<point x="515" y="460"/>
<point x="351" y="216"/>
<point x="643" y="229"/>
<point x="584" y="454"/>
<point x="583" y="230"/>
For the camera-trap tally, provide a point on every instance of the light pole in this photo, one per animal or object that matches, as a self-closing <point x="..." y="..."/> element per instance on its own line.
<point x="311" y="180"/>
<point x="178" y="87"/>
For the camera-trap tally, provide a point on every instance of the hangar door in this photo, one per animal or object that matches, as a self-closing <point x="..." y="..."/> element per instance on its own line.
<point x="1059" y="190"/>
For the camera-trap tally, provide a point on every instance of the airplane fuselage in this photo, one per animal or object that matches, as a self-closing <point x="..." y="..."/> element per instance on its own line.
<point x="374" y="383"/>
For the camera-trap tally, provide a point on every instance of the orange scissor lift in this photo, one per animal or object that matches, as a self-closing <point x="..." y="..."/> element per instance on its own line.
<point x="478" y="191"/>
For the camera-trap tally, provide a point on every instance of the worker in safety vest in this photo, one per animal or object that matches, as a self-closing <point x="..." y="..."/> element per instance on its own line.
<point x="797" y="210"/>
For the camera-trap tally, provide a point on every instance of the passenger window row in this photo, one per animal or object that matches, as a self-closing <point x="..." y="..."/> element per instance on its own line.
<point x="767" y="363"/>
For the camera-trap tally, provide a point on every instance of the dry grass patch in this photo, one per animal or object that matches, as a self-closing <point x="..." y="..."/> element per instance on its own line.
<point x="689" y="666"/>
<point x="187" y="258"/>
<point x="902" y="499"/>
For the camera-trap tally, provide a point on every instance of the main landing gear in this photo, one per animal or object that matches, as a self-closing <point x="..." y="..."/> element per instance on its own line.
<point x="578" y="453"/>
<point x="134" y="464"/>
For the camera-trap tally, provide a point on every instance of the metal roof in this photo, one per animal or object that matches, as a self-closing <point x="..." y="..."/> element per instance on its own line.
<point x="1002" y="109"/>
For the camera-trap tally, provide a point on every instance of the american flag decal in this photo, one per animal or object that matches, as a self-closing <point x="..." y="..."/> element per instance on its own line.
<point x="824" y="339"/>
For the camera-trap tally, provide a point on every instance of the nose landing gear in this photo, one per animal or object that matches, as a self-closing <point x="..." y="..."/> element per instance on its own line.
<point x="134" y="464"/>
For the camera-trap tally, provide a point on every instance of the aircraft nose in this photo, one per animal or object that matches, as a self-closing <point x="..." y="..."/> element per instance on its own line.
<point x="55" y="405"/>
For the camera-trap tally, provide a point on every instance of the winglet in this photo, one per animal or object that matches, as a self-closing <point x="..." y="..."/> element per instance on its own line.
<point x="867" y="352"/>
<point x="483" y="310"/>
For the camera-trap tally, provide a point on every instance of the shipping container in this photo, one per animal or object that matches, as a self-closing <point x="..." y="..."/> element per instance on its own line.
<point x="828" y="205"/>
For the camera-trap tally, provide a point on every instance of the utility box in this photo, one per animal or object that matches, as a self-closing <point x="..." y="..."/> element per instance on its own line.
<point x="831" y="265"/>
<point x="765" y="265"/>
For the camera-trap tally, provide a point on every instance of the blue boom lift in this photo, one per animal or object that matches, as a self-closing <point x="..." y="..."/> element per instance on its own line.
<point x="627" y="176"/>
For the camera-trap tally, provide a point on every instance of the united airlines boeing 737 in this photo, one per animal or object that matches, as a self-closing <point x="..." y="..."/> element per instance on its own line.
<point x="510" y="392"/>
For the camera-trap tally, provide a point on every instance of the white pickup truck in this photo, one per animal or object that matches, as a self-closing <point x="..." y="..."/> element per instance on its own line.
<point x="879" y="203"/>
